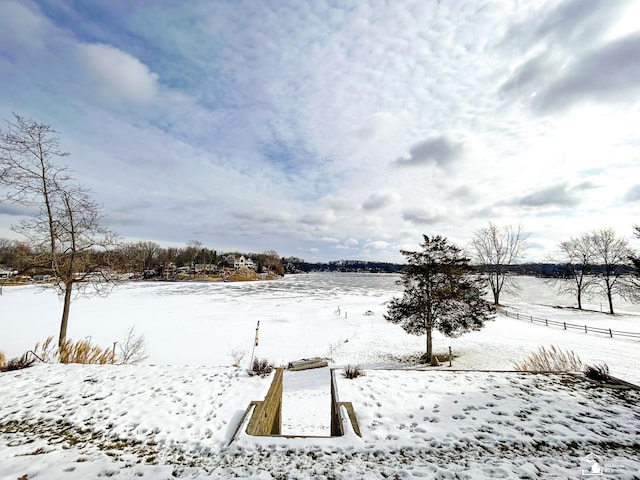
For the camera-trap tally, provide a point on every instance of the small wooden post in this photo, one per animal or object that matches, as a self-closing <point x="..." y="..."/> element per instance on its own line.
<point x="610" y="333"/>
<point x="255" y="344"/>
<point x="449" y="356"/>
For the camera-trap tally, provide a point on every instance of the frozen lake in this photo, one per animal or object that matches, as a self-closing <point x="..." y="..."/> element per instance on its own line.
<point x="319" y="314"/>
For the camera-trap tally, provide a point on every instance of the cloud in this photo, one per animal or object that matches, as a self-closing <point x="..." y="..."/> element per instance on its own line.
<point x="422" y="216"/>
<point x="15" y="210"/>
<point x="560" y="195"/>
<point x="121" y="73"/>
<point x="439" y="151"/>
<point x="380" y="124"/>
<point x="465" y="193"/>
<point x="572" y="57"/>
<point x="378" y="200"/>
<point x="378" y="245"/>
<point x="330" y="240"/>
<point x="611" y="73"/>
<point x="318" y="218"/>
<point x="633" y="194"/>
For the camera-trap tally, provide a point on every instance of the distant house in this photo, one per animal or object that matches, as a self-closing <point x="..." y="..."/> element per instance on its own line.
<point x="206" y="268"/>
<point x="169" y="269"/>
<point x="7" y="273"/>
<point x="243" y="262"/>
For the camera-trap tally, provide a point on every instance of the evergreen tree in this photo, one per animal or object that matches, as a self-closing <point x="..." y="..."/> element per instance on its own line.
<point x="440" y="292"/>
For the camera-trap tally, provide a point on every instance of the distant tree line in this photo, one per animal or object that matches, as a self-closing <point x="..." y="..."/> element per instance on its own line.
<point x="140" y="257"/>
<point x="298" y="265"/>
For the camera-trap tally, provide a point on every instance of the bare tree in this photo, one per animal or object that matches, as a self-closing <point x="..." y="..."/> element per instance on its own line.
<point x="578" y="255"/>
<point x="612" y="254"/>
<point x="634" y="257"/>
<point x="495" y="249"/>
<point x="139" y="256"/>
<point x="194" y="247"/>
<point x="64" y="232"/>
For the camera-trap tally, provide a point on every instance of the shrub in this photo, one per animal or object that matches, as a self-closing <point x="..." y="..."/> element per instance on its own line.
<point x="599" y="372"/>
<point x="551" y="360"/>
<point x="18" y="363"/>
<point x="133" y="349"/>
<point x="261" y="366"/>
<point x="3" y="360"/>
<point x="352" y="372"/>
<point x="237" y="354"/>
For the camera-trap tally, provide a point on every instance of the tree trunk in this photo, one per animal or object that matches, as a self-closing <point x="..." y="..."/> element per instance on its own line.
<point x="68" y="290"/>
<point x="495" y="289"/>
<point x="610" y="298"/>
<point x="579" y="299"/>
<point x="429" y="346"/>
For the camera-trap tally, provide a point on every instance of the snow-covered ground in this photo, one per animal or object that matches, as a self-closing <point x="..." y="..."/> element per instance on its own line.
<point x="176" y="414"/>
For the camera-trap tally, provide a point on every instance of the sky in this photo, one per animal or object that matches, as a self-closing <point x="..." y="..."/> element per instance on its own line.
<point x="336" y="129"/>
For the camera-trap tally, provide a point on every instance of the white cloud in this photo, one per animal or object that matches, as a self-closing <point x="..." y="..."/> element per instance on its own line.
<point x="123" y="74"/>
<point x="215" y="122"/>
<point x="379" y="200"/>
<point x="378" y="245"/>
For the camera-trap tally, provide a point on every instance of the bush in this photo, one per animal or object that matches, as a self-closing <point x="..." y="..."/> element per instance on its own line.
<point x="352" y="372"/>
<point x="18" y="363"/>
<point x="237" y="354"/>
<point x="133" y="349"/>
<point x="552" y="360"/>
<point x="3" y="361"/>
<point x="261" y="366"/>
<point x="598" y="372"/>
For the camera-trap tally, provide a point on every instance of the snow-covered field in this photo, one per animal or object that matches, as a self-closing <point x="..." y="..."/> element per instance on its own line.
<point x="175" y="415"/>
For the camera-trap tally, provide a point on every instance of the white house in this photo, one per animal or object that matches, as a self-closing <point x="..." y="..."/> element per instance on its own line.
<point x="243" y="262"/>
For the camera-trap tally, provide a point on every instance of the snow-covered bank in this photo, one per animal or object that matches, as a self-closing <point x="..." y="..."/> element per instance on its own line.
<point x="76" y="422"/>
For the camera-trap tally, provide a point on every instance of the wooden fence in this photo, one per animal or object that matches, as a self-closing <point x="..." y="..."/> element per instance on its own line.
<point x="571" y="326"/>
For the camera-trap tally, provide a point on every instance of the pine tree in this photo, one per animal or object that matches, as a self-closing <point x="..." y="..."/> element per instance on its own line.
<point x="440" y="292"/>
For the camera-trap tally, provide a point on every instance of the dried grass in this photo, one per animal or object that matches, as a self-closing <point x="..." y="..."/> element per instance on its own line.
<point x="81" y="351"/>
<point x="551" y="360"/>
<point x="18" y="363"/>
<point x="48" y="352"/>
<point x="3" y="360"/>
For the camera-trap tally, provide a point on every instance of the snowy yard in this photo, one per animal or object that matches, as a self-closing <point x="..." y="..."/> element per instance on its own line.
<point x="176" y="414"/>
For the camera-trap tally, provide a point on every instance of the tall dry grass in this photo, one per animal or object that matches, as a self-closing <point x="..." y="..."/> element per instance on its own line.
<point x="81" y="351"/>
<point x="551" y="360"/>
<point x="3" y="360"/>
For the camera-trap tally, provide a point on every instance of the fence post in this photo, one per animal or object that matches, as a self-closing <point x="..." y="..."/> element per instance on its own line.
<point x="610" y="333"/>
<point x="565" y="325"/>
<point x="518" y="316"/>
<point x="546" y="322"/>
<point x="585" y="329"/>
